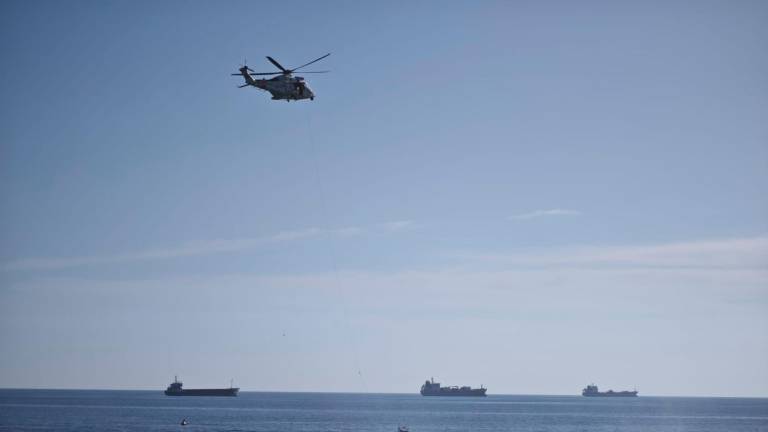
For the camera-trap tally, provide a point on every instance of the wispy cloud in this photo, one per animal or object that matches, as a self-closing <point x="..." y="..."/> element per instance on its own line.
<point x="550" y="212"/>
<point x="398" y="225"/>
<point x="728" y="253"/>
<point x="308" y="233"/>
<point x="200" y="248"/>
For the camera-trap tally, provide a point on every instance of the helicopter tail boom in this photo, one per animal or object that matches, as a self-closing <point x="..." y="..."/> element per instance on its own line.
<point x="248" y="78"/>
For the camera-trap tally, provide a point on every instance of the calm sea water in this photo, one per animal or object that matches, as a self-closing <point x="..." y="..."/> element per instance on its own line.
<point x="82" y="410"/>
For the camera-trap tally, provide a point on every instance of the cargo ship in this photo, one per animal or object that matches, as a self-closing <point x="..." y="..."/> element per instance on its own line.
<point x="431" y="388"/>
<point x="175" y="389"/>
<point x="591" y="391"/>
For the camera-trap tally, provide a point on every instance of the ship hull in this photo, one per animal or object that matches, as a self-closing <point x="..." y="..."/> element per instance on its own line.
<point x="615" y="394"/>
<point x="460" y="393"/>
<point x="204" y="392"/>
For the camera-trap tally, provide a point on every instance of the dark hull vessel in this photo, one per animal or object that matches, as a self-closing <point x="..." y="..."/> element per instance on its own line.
<point x="175" y="389"/>
<point x="203" y="392"/>
<point x="591" y="391"/>
<point x="431" y="388"/>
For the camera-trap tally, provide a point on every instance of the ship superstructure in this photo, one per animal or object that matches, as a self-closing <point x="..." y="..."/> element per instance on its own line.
<point x="431" y="388"/>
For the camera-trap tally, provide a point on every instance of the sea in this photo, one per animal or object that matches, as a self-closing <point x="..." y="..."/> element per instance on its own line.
<point x="105" y="410"/>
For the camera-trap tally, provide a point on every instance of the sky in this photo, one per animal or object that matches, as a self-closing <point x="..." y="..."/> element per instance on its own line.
<point x="532" y="196"/>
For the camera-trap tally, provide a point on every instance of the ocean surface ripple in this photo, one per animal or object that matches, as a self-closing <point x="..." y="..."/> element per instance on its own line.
<point x="103" y="410"/>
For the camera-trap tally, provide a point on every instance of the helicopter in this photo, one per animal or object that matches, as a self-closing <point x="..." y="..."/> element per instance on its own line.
<point x="284" y="86"/>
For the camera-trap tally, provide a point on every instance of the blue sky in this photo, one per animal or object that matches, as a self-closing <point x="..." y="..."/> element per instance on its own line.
<point x="527" y="195"/>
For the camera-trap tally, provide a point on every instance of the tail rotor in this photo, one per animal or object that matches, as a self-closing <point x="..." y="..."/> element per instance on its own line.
<point x="244" y="71"/>
<point x="245" y="65"/>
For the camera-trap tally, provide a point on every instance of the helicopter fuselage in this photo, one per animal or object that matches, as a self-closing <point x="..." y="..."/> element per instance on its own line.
<point x="282" y="87"/>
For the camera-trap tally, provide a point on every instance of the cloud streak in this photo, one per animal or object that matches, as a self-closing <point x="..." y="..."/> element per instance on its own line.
<point x="542" y="213"/>
<point x="201" y="248"/>
<point x="397" y="225"/>
<point x="728" y="253"/>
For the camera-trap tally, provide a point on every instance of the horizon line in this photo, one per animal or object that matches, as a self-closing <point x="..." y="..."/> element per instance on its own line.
<point x="372" y="393"/>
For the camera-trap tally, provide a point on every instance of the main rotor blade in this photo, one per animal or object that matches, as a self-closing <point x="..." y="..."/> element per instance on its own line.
<point x="274" y="62"/>
<point x="244" y="85"/>
<point x="307" y="64"/>
<point x="312" y="72"/>
<point x="265" y="73"/>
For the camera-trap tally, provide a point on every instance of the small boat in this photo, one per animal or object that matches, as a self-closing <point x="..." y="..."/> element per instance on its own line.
<point x="402" y="428"/>
<point x="184" y="422"/>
